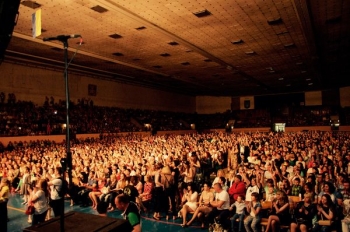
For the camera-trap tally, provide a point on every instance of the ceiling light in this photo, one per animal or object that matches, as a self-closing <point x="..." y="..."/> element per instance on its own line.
<point x="118" y="54"/>
<point x="115" y="36"/>
<point x="202" y="13"/>
<point x="288" y="85"/>
<point x="250" y="53"/>
<point x="165" y="54"/>
<point x="99" y="9"/>
<point x="240" y="41"/>
<point x="310" y="83"/>
<point x="173" y="43"/>
<point x="281" y="79"/>
<point x="290" y="45"/>
<point x="140" y="28"/>
<point x="303" y="71"/>
<point x="31" y="4"/>
<point x="282" y="33"/>
<point x="308" y="79"/>
<point x="275" y="21"/>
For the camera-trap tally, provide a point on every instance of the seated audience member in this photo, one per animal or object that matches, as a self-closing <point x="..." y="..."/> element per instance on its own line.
<point x="251" y="223"/>
<point x="240" y="207"/>
<point x="204" y="205"/>
<point x="221" y="206"/>
<point x="325" y="211"/>
<point x="296" y="187"/>
<point x="189" y="202"/>
<point x="280" y="212"/>
<point x="345" y="223"/>
<point x="219" y="173"/>
<point x="328" y="188"/>
<point x="237" y="188"/>
<point x="303" y="214"/>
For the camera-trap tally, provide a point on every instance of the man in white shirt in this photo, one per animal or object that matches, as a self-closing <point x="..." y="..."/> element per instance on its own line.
<point x="221" y="206"/>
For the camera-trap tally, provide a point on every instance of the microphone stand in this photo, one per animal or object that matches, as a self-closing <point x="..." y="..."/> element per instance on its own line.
<point x="68" y="151"/>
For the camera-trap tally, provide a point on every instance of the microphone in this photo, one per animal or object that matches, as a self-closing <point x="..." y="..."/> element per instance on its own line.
<point x="62" y="37"/>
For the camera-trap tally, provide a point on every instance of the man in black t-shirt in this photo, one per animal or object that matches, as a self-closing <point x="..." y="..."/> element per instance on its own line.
<point x="130" y="190"/>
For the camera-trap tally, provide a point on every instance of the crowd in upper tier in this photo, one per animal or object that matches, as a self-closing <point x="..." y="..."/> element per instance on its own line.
<point x="19" y="118"/>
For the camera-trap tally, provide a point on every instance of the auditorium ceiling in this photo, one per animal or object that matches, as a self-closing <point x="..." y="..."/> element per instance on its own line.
<point x="196" y="47"/>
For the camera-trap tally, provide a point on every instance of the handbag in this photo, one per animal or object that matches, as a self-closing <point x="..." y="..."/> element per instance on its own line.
<point x="30" y="210"/>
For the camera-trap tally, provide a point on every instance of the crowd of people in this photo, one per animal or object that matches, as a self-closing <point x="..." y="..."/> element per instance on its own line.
<point x="208" y="177"/>
<point x="21" y="118"/>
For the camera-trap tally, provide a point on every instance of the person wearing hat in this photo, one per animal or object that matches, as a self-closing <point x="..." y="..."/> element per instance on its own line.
<point x="4" y="196"/>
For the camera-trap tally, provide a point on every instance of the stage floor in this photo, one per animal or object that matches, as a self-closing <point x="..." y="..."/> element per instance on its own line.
<point x="18" y="220"/>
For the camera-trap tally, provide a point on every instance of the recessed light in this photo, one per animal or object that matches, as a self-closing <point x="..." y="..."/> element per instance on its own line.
<point x="303" y="71"/>
<point x="281" y="79"/>
<point x="288" y="85"/>
<point x="202" y="13"/>
<point x="308" y="79"/>
<point x="115" y="36"/>
<point x="239" y="41"/>
<point x="140" y="28"/>
<point x="290" y="45"/>
<point x="165" y="54"/>
<point x="118" y="54"/>
<point x="173" y="43"/>
<point x="250" y="53"/>
<point x="274" y="21"/>
<point x="99" y="9"/>
<point x="311" y="83"/>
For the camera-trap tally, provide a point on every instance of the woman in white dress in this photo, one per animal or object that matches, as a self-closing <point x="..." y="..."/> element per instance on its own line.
<point x="189" y="201"/>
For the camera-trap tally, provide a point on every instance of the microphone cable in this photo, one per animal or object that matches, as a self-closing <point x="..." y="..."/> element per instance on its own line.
<point x="79" y="45"/>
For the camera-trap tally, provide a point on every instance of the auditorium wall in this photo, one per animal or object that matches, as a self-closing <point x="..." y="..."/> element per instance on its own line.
<point x="212" y="105"/>
<point x="33" y="84"/>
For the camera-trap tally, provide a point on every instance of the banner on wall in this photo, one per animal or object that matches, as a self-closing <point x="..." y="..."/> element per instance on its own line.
<point x="247" y="103"/>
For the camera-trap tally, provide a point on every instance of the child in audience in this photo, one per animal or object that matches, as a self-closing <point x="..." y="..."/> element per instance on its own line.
<point x="240" y="208"/>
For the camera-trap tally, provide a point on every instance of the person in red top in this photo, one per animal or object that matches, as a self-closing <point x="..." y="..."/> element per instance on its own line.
<point x="237" y="188"/>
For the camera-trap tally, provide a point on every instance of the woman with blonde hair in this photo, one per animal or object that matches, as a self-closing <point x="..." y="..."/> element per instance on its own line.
<point x="304" y="213"/>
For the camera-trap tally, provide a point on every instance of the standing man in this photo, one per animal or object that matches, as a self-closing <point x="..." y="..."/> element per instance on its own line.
<point x="130" y="211"/>
<point x="221" y="206"/>
<point x="56" y="201"/>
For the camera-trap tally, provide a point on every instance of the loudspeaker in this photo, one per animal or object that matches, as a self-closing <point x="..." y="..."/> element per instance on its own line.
<point x="8" y="19"/>
<point x="82" y="222"/>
